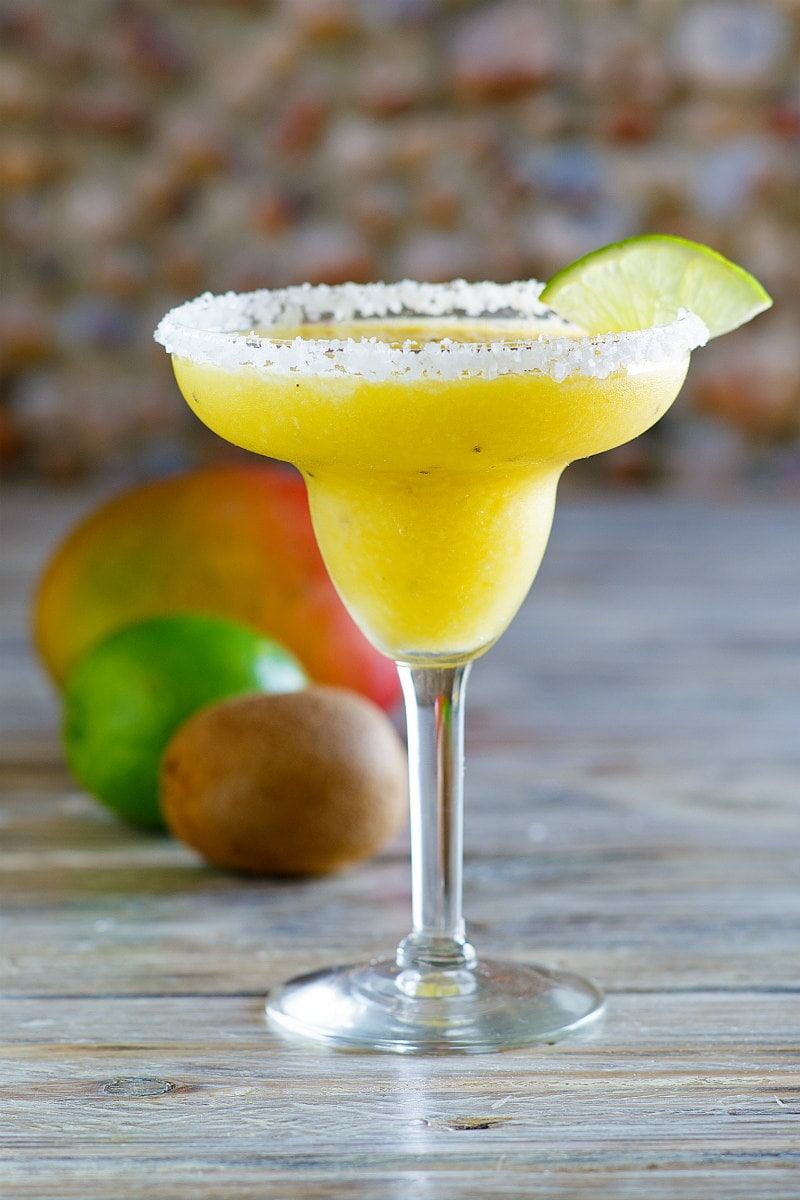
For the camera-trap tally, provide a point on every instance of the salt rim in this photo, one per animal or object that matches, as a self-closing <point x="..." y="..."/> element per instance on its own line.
<point x="213" y="330"/>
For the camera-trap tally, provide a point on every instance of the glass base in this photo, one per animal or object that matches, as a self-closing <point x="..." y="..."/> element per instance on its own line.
<point x="468" y="1009"/>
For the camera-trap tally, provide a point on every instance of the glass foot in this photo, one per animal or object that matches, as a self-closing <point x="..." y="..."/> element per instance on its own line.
<point x="469" y="1009"/>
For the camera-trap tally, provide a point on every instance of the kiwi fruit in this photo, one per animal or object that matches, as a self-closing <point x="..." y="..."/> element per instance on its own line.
<point x="298" y="783"/>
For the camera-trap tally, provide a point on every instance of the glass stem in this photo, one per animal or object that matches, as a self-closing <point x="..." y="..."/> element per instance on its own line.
<point x="434" y="701"/>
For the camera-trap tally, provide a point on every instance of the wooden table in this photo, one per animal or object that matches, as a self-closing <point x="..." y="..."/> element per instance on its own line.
<point x="633" y="814"/>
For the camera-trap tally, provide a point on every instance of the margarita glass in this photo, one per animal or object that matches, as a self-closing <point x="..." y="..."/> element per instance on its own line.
<point x="432" y="424"/>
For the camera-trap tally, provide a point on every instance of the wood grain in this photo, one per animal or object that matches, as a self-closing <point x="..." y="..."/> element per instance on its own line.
<point x="633" y="767"/>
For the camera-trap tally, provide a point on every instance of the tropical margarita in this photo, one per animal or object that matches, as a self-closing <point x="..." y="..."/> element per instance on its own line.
<point x="432" y="424"/>
<point x="432" y="494"/>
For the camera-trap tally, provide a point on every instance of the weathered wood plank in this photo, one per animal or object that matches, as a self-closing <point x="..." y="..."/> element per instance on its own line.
<point x="633" y="758"/>
<point x="251" y="1182"/>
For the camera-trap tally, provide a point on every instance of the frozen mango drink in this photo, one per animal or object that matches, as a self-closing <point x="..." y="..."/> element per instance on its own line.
<point x="432" y="461"/>
<point x="432" y="424"/>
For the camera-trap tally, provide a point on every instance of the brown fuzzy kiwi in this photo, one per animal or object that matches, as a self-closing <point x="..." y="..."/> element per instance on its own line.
<point x="291" y="784"/>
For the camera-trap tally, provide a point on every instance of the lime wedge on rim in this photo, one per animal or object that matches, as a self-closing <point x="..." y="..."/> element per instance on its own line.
<point x="648" y="280"/>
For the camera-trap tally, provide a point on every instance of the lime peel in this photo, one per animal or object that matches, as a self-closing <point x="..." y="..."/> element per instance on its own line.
<point x="130" y="691"/>
<point x="646" y="281"/>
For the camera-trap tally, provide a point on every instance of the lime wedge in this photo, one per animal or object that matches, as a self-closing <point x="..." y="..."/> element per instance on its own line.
<point x="647" y="280"/>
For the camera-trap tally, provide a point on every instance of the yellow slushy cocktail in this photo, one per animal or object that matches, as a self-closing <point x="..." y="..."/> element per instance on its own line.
<point x="432" y="490"/>
<point x="432" y="423"/>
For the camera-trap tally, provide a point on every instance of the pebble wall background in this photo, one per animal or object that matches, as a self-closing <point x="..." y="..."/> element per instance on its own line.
<point x="150" y="149"/>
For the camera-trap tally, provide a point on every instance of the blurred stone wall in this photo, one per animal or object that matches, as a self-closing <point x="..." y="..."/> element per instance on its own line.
<point x="151" y="149"/>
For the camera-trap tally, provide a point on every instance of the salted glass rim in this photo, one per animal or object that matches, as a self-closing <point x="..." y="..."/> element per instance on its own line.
<point x="231" y="331"/>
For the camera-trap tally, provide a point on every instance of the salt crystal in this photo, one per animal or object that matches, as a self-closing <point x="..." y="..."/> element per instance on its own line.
<point x="221" y="331"/>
